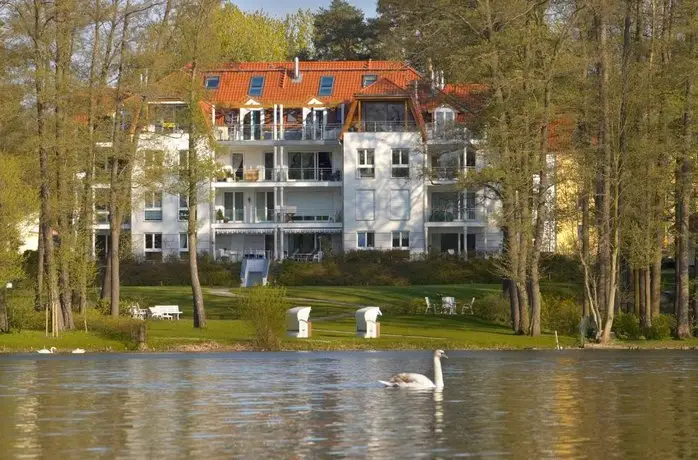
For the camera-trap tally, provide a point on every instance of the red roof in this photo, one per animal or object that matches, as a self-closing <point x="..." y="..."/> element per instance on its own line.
<point x="383" y="87"/>
<point x="280" y="88"/>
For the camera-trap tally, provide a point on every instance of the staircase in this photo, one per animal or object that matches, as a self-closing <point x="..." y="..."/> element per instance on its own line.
<point x="254" y="272"/>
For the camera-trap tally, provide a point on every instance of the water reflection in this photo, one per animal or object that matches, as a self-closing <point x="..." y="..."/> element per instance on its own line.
<point x="526" y="405"/>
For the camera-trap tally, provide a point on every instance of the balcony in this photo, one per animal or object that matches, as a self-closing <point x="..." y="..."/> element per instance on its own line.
<point x="286" y="132"/>
<point x="278" y="215"/>
<point x="454" y="214"/>
<point x="448" y="174"/>
<point x="383" y="127"/>
<point x="255" y="176"/>
<point x="447" y="132"/>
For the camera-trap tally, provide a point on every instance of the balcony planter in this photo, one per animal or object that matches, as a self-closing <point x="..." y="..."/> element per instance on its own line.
<point x="219" y="216"/>
<point x="251" y="175"/>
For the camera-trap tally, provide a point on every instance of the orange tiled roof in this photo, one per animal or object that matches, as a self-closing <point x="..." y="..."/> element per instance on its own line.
<point x="279" y="87"/>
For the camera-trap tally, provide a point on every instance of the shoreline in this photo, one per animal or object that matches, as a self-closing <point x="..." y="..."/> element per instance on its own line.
<point x="215" y="347"/>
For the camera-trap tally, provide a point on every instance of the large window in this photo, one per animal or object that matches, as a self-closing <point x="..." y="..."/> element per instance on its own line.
<point x="401" y="163"/>
<point x="326" y="86"/>
<point x="302" y="166"/>
<point x="256" y="85"/>
<point x="365" y="163"/>
<point x="365" y="240"/>
<point x="153" y="206"/>
<point x="153" y="159"/>
<point x="153" y="246"/>
<point x="386" y="116"/>
<point x="401" y="240"/>
<point x="234" y="208"/>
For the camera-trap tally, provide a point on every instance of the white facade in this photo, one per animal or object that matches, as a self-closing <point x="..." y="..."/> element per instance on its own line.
<point x="292" y="198"/>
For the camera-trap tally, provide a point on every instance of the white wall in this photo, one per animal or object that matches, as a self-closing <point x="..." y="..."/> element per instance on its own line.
<point x="382" y="223"/>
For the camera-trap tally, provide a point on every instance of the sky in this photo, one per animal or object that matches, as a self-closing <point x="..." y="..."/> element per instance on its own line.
<point x="281" y="7"/>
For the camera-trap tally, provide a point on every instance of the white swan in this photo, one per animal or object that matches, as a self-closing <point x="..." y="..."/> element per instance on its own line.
<point x="44" y="351"/>
<point x="410" y="380"/>
<point x="78" y="351"/>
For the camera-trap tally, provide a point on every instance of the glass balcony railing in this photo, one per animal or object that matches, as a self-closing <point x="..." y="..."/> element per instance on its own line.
<point x="283" y="174"/>
<point x="290" y="132"/>
<point x="452" y="214"/>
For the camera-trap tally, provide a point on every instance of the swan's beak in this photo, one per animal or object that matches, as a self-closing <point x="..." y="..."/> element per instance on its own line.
<point x="443" y="355"/>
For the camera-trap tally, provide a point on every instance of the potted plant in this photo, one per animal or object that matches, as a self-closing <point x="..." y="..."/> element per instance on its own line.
<point x="219" y="216"/>
<point x="228" y="171"/>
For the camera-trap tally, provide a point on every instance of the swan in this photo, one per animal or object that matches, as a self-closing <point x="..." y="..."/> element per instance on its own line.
<point x="410" y="380"/>
<point x="78" y="351"/>
<point x="44" y="351"/>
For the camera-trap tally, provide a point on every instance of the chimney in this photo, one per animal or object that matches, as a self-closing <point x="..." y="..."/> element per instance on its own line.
<point x="296" y="70"/>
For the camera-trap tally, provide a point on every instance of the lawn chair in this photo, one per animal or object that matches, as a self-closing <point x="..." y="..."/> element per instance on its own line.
<point x="448" y="305"/>
<point x="468" y="307"/>
<point x="429" y="306"/>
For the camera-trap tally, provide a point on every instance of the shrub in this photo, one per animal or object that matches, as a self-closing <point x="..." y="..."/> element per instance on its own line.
<point x="627" y="326"/>
<point x="560" y="268"/>
<point x="493" y="307"/>
<point x="408" y="307"/>
<point x="175" y="272"/>
<point x="103" y="306"/>
<point x="123" y="329"/>
<point x="661" y="327"/>
<point x="265" y="307"/>
<point x="560" y="314"/>
<point x="21" y="313"/>
<point x="383" y="268"/>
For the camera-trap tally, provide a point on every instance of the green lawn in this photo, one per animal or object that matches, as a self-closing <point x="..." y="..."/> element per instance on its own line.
<point x="333" y="322"/>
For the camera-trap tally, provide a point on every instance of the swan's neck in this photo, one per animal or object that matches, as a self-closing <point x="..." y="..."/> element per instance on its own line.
<point x="438" y="376"/>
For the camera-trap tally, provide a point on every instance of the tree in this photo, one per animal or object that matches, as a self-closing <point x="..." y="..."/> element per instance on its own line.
<point x="341" y="33"/>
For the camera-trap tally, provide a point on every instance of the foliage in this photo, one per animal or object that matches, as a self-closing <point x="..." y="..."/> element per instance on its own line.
<point x="661" y="328"/>
<point x="341" y="33"/>
<point x="561" y="314"/>
<point x="21" y="313"/>
<point x="493" y="307"/>
<point x="627" y="326"/>
<point x="265" y="307"/>
<point x="383" y="268"/>
<point x="175" y="272"/>
<point x="299" y="34"/>
<point x="249" y="36"/>
<point x="123" y="328"/>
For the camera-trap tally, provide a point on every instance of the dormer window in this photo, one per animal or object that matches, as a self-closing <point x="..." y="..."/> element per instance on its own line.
<point x="212" y="82"/>
<point x="368" y="80"/>
<point x="256" y="85"/>
<point x="326" y="86"/>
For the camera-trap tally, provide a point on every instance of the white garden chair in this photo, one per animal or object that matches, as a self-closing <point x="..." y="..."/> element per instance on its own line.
<point x="429" y="306"/>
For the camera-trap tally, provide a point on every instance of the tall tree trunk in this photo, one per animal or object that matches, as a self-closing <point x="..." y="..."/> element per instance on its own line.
<point x="586" y="248"/>
<point x="683" y="199"/>
<point x="64" y="194"/>
<point x="39" y="303"/>
<point x="106" y="278"/>
<point x="647" y="304"/>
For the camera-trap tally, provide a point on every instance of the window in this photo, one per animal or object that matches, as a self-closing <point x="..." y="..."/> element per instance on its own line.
<point x="212" y="82"/>
<point x="153" y="246"/>
<point x="400" y="204"/>
<point x="365" y="240"/>
<point x="183" y="209"/>
<point x="401" y="163"/>
<point x="366" y="166"/>
<point x="365" y="204"/>
<point x="153" y="206"/>
<point x="183" y="242"/>
<point x="153" y="242"/>
<point x="369" y="80"/>
<point x="401" y="240"/>
<point x="256" y="85"/>
<point x="326" y="86"/>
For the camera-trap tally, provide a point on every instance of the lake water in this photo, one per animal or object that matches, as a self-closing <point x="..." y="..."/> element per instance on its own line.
<point x="571" y="404"/>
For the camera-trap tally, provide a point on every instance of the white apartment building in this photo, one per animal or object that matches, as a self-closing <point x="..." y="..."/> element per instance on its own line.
<point x="320" y="157"/>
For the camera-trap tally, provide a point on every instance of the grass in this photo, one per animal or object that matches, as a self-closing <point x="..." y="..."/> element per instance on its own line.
<point x="333" y="323"/>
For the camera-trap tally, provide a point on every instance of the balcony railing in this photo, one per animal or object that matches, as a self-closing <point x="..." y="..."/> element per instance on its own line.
<point x="284" y="174"/>
<point x="453" y="214"/>
<point x="383" y="127"/>
<point x="449" y="131"/>
<point x="289" y="214"/>
<point x="290" y="132"/>
<point x="450" y="173"/>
